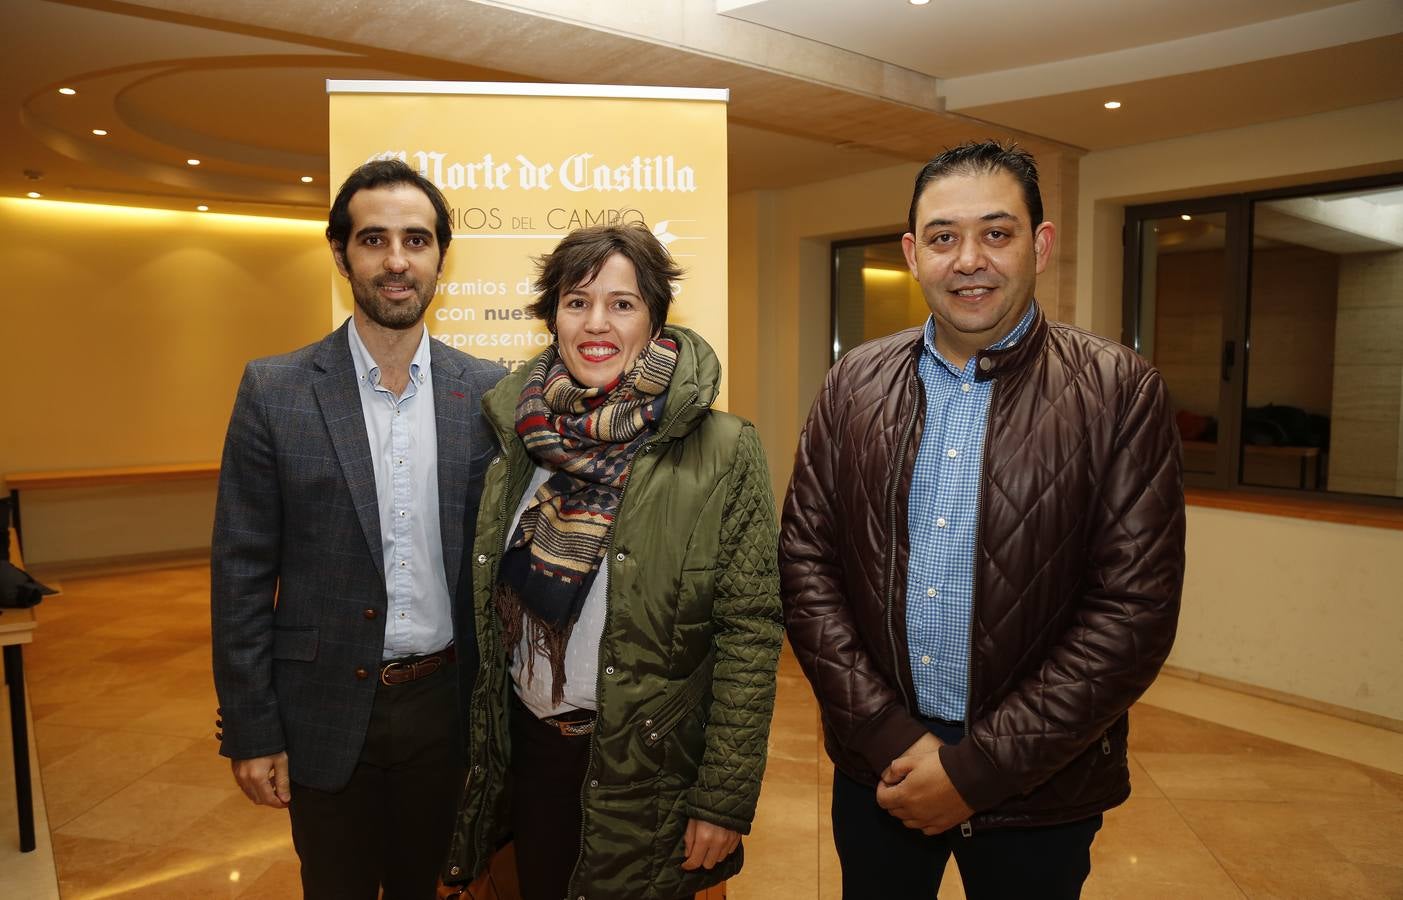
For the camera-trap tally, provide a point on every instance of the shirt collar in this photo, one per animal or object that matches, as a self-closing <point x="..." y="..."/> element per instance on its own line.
<point x="368" y="370"/>
<point x="1007" y="340"/>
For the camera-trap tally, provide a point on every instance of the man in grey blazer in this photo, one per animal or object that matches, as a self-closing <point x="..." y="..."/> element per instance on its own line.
<point x="348" y="469"/>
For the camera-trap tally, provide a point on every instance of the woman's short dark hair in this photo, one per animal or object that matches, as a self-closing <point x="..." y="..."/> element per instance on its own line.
<point x="385" y="173"/>
<point x="576" y="260"/>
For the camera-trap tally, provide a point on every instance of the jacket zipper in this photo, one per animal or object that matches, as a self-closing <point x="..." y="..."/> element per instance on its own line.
<point x="608" y="615"/>
<point x="487" y="727"/>
<point x="967" y="830"/>
<point x="891" y="545"/>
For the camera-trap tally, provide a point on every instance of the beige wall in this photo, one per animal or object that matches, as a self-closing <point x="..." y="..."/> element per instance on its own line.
<point x="1366" y="440"/>
<point x="125" y="337"/>
<point x="1288" y="604"/>
<point x="1307" y="608"/>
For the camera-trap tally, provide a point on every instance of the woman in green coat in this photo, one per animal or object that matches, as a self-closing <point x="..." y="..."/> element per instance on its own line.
<point x="625" y="596"/>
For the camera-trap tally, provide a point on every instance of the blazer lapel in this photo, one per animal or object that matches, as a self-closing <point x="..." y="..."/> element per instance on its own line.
<point x="338" y="395"/>
<point x="453" y="404"/>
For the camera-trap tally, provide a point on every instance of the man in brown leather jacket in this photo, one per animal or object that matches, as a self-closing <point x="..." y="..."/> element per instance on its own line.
<point x="981" y="558"/>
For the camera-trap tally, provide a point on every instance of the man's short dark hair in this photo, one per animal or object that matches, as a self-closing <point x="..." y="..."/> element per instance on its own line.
<point x="385" y="173"/>
<point x="982" y="158"/>
<point x="576" y="260"/>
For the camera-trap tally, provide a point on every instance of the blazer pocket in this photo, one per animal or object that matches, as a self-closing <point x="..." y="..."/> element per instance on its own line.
<point x="295" y="643"/>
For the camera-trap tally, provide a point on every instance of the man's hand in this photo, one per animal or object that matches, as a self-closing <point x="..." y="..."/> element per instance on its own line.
<point x="707" y="844"/>
<point x="917" y="791"/>
<point x="264" y="779"/>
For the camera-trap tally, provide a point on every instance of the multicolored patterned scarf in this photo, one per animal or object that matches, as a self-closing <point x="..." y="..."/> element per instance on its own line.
<point x="587" y="437"/>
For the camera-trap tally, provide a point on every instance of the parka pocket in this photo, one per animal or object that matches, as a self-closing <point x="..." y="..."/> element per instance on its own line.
<point x="676" y="707"/>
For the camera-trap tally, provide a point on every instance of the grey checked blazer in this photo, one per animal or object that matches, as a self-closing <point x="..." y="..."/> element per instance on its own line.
<point x="297" y="520"/>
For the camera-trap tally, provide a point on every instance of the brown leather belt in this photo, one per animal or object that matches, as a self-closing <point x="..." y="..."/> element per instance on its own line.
<point x="412" y="668"/>
<point x="571" y="727"/>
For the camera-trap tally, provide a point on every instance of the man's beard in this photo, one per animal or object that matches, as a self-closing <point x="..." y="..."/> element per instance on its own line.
<point x="398" y="316"/>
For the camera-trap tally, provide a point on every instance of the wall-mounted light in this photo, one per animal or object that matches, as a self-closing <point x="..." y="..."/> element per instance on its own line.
<point x="1112" y="104"/>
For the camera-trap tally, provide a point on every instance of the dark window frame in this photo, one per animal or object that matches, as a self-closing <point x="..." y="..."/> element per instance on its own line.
<point x="1236" y="319"/>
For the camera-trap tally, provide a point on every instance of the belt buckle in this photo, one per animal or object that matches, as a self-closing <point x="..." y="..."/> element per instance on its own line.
<point x="386" y="669"/>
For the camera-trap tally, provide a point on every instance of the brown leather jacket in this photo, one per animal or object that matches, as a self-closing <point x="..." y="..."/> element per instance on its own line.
<point x="1079" y="564"/>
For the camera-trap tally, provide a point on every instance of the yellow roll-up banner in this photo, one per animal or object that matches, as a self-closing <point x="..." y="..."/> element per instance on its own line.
<point x="522" y="165"/>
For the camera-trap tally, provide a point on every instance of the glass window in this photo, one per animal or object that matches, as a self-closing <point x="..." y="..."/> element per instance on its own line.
<point x="1276" y="319"/>
<point x="1325" y="373"/>
<point x="873" y="292"/>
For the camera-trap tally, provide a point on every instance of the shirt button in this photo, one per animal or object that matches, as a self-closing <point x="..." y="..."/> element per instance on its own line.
<point x="925" y="660"/>
<point x="369" y="613"/>
<point x="404" y="564"/>
<point x="404" y="512"/>
<point x="939" y="523"/>
<point x="952" y="453"/>
<point x="965" y="388"/>
<point x="399" y="462"/>
<point x="930" y="592"/>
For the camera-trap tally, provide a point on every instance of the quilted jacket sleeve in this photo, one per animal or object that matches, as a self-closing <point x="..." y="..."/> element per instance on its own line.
<point x="748" y="635"/>
<point x="244" y="578"/>
<point x="862" y="708"/>
<point x="1122" y="631"/>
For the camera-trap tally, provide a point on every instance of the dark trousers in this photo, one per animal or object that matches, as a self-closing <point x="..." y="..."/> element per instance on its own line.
<point x="390" y="825"/>
<point x="548" y="771"/>
<point x="883" y="859"/>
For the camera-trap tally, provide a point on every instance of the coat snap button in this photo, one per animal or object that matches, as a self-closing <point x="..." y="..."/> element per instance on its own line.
<point x="454" y="871"/>
<point x="594" y="782"/>
<point x="608" y="670"/>
<point x="647" y="723"/>
<point x="481" y="558"/>
<point x="621" y="557"/>
<point x="985" y="364"/>
<point x="653" y="736"/>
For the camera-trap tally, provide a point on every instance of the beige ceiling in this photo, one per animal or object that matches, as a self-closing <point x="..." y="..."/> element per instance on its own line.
<point x="242" y="87"/>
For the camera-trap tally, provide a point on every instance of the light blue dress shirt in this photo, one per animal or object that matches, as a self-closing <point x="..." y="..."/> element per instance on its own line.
<point x="404" y="450"/>
<point x="943" y="510"/>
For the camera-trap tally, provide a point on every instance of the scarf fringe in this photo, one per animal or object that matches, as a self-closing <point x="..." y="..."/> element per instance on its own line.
<point x="518" y="619"/>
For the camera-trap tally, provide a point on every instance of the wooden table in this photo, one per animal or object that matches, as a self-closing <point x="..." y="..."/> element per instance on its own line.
<point x="16" y="630"/>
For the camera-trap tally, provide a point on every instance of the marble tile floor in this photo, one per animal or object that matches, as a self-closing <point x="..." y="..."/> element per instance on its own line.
<point x="1234" y="796"/>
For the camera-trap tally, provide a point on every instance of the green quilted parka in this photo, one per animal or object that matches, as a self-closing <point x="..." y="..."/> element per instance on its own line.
<point x="687" y="660"/>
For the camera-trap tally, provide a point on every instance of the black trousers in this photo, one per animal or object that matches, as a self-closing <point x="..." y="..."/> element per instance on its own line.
<point x="548" y="771"/>
<point x="883" y="859"/>
<point x="390" y="825"/>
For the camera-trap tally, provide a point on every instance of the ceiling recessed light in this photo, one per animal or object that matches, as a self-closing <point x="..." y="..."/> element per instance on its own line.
<point x="1112" y="104"/>
<point x="1186" y="217"/>
<point x="192" y="162"/>
<point x="67" y="92"/>
<point x="306" y="179"/>
<point x="34" y="195"/>
<point x="919" y="2"/>
<point x="100" y="132"/>
<point x="202" y="208"/>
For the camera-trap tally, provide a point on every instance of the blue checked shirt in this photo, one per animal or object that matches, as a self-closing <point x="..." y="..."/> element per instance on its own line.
<point x="943" y="509"/>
